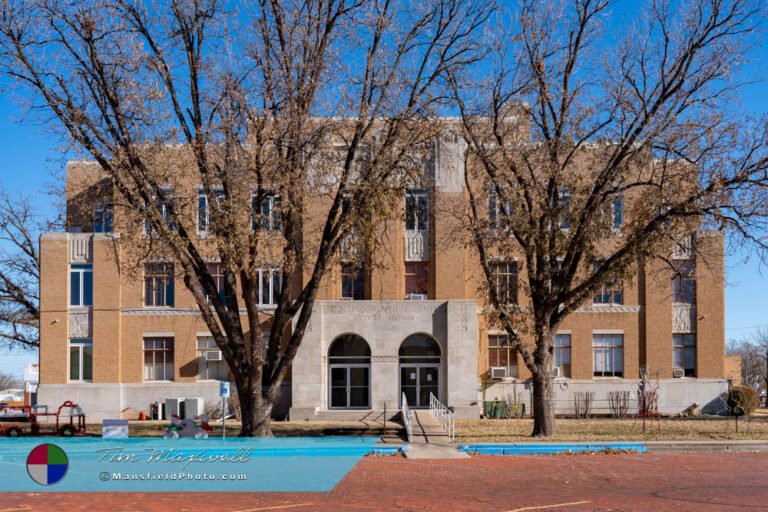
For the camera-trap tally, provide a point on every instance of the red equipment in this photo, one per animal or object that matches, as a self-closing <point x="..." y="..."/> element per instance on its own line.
<point x="70" y="422"/>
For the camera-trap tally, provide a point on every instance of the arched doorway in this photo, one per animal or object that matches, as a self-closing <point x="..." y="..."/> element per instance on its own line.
<point x="419" y="359"/>
<point x="349" y="373"/>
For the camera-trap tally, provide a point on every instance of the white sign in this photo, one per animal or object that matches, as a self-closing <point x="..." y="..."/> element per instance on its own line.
<point x="224" y="389"/>
<point x="114" y="429"/>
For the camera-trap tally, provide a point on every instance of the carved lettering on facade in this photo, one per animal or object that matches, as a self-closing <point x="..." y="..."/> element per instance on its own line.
<point x="384" y="359"/>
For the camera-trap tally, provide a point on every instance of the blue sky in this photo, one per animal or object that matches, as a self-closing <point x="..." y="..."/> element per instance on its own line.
<point x="31" y="163"/>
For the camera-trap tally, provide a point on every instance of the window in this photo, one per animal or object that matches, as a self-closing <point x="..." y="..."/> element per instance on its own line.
<point x="564" y="198"/>
<point x="563" y="354"/>
<point x="158" y="284"/>
<point x="352" y="282"/>
<point x="416" y="210"/>
<point x="416" y="279"/>
<point x="504" y="277"/>
<point x="103" y="217"/>
<point x="684" y="353"/>
<point x="81" y="284"/>
<point x="499" y="211"/>
<point x="500" y="354"/>
<point x="608" y="350"/>
<point x="158" y="358"/>
<point x="203" y="212"/>
<point x="217" y="273"/>
<point x="80" y="359"/>
<point x="166" y="210"/>
<point x="269" y="287"/>
<point x="610" y="292"/>
<point x="618" y="213"/>
<point x="207" y="367"/>
<point x="268" y="217"/>
<point x="684" y="283"/>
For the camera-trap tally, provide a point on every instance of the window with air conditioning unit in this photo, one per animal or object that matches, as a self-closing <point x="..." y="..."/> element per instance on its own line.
<point x="416" y="296"/>
<point x="213" y="355"/>
<point x="498" y="372"/>
<point x="678" y="373"/>
<point x="556" y="372"/>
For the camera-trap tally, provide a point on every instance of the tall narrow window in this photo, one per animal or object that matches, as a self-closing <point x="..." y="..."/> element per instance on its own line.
<point x="81" y="284"/>
<point x="610" y="292"/>
<point x="684" y="283"/>
<point x="352" y="282"/>
<point x="103" y="217"/>
<point x="266" y="216"/>
<point x="166" y="210"/>
<point x="416" y="210"/>
<point x="217" y="273"/>
<point x="618" y="213"/>
<point x="210" y="363"/>
<point x="608" y="352"/>
<point x="684" y="353"/>
<point x="563" y="354"/>
<point x="158" y="358"/>
<point x="499" y="211"/>
<point x="564" y="197"/>
<point x="158" y="284"/>
<point x="504" y="278"/>
<point x="501" y="355"/>
<point x="80" y="359"/>
<point x="203" y="209"/>
<point x="270" y="281"/>
<point x="416" y="280"/>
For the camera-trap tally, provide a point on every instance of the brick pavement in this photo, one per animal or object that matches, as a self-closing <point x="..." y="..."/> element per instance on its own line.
<point x="619" y="482"/>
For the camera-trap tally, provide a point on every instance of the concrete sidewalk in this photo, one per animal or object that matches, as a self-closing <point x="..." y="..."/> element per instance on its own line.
<point x="430" y="441"/>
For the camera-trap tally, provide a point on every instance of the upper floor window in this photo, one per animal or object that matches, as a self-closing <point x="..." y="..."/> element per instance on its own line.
<point x="81" y="284"/>
<point x="416" y="280"/>
<point x="166" y="210"/>
<point x="684" y="283"/>
<point x="564" y="198"/>
<point x="416" y="210"/>
<point x="203" y="210"/>
<point x="352" y="282"/>
<point x="80" y="359"/>
<point x="504" y="278"/>
<point x="610" y="292"/>
<point x="618" y="213"/>
<point x="270" y="282"/>
<point x="266" y="216"/>
<point x="158" y="358"/>
<point x="103" y="217"/>
<point x="499" y="211"/>
<point x="158" y="284"/>
<point x="217" y="274"/>
<point x="608" y="353"/>
<point x="563" y="354"/>
<point x="684" y="353"/>
<point x="501" y="354"/>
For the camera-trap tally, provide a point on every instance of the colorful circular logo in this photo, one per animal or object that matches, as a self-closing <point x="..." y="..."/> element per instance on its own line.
<point x="47" y="464"/>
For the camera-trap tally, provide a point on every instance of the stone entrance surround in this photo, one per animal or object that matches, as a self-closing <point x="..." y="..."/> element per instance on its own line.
<point x="384" y="325"/>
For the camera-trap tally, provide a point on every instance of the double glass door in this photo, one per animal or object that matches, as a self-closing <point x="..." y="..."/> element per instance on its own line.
<point x="417" y="381"/>
<point x="350" y="386"/>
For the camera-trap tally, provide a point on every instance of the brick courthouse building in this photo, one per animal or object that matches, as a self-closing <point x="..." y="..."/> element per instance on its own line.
<point x="116" y="339"/>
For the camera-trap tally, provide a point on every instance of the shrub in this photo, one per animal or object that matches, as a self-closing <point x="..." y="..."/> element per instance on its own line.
<point x="742" y="400"/>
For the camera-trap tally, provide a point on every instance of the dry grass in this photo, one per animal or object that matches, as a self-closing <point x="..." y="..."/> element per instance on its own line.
<point x="668" y="429"/>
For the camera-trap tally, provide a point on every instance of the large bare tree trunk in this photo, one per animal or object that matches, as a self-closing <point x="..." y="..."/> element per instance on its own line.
<point x="255" y="407"/>
<point x="543" y="392"/>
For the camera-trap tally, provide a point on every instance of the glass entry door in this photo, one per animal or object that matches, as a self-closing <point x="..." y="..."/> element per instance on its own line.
<point x="417" y="381"/>
<point x="349" y="386"/>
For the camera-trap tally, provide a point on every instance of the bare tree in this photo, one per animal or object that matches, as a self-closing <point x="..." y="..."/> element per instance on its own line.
<point x="8" y="381"/>
<point x="303" y="101"/>
<point x="753" y="350"/>
<point x="562" y="123"/>
<point x="19" y="271"/>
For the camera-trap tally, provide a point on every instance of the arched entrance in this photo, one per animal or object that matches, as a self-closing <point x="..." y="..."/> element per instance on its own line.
<point x="349" y="373"/>
<point x="419" y="359"/>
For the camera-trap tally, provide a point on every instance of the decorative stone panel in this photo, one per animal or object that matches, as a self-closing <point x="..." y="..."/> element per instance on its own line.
<point x="81" y="324"/>
<point x="80" y="248"/>
<point x="683" y="318"/>
<point x="416" y="244"/>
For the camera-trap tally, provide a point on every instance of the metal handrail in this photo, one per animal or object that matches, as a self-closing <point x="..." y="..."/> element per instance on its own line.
<point x="443" y="415"/>
<point x="407" y="419"/>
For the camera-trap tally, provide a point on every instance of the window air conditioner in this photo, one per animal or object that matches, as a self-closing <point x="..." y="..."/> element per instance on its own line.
<point x="678" y="372"/>
<point x="213" y="355"/>
<point x="556" y="372"/>
<point x="498" y="372"/>
<point x="416" y="296"/>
